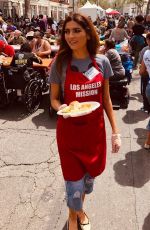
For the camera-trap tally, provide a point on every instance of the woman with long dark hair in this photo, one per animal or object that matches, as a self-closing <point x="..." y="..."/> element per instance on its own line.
<point x="78" y="74"/>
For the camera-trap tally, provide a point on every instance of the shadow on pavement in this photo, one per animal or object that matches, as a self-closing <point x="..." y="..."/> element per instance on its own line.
<point x="146" y="225"/>
<point x="134" y="116"/>
<point x="43" y="119"/>
<point x="137" y="97"/>
<point x="134" y="169"/>
<point x="141" y="134"/>
<point x="14" y="112"/>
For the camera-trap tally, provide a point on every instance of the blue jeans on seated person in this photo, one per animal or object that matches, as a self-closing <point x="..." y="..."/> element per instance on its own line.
<point x="148" y="92"/>
<point x="148" y="126"/>
<point x="76" y="189"/>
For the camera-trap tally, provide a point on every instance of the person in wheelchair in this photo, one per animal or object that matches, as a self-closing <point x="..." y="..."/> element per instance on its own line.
<point x="25" y="82"/>
<point x="115" y="60"/>
<point x="20" y="70"/>
<point x="23" y="60"/>
<point x="25" y="57"/>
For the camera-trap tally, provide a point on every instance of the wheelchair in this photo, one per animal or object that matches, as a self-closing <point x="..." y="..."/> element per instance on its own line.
<point x="22" y="82"/>
<point x="119" y="91"/>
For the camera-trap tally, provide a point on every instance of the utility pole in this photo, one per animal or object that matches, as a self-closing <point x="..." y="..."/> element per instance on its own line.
<point x="73" y="5"/>
<point x="27" y="7"/>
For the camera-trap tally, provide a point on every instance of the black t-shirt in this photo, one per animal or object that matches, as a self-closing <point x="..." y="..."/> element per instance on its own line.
<point x="41" y="24"/>
<point x="24" y="58"/>
<point x="138" y="29"/>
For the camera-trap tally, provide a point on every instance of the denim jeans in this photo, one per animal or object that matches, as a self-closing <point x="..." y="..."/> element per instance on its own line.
<point x="148" y="92"/>
<point x="148" y="126"/>
<point x="76" y="189"/>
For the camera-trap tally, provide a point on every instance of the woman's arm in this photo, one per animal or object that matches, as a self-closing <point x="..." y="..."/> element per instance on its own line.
<point x="55" y="96"/>
<point x="126" y="34"/>
<point x="47" y="49"/>
<point x="108" y="107"/>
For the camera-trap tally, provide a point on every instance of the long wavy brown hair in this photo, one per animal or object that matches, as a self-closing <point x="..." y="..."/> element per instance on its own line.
<point x="65" y="53"/>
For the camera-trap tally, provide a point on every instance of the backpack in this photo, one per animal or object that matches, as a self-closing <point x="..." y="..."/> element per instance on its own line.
<point x="127" y="61"/>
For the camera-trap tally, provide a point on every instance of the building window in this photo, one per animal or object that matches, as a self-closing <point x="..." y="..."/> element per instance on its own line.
<point x="33" y="10"/>
<point x="5" y="7"/>
<point x="43" y="10"/>
<point x="54" y="12"/>
<point x="60" y="13"/>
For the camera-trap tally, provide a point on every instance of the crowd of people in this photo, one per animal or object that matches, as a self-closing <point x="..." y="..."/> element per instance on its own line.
<point x="80" y="72"/>
<point x="40" y="32"/>
<point x="137" y="32"/>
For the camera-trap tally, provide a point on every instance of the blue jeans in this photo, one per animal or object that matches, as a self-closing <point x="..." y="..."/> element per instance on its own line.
<point x="147" y="91"/>
<point x="76" y="189"/>
<point x="148" y="126"/>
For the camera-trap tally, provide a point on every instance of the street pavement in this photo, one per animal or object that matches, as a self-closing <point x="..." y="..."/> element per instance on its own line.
<point x="32" y="195"/>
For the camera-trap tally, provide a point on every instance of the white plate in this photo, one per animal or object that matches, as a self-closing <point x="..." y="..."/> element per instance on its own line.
<point x="94" y="106"/>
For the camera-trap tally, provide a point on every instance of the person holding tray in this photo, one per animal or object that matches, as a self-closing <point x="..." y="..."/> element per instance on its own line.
<point x="79" y="74"/>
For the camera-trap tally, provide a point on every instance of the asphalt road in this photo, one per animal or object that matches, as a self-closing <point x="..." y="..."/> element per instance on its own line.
<point x="32" y="195"/>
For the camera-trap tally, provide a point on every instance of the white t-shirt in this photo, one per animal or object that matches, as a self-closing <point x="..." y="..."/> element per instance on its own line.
<point x="54" y="27"/>
<point x="146" y="59"/>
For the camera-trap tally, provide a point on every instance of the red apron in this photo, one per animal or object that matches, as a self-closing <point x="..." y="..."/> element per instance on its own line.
<point x="82" y="140"/>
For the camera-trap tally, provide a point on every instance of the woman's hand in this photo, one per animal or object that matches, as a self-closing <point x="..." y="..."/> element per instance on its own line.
<point x="116" y="142"/>
<point x="62" y="106"/>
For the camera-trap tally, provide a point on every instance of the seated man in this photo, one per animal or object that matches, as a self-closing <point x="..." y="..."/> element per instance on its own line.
<point x="6" y="50"/>
<point x="41" y="47"/>
<point x="47" y="37"/>
<point x="115" y="60"/>
<point x="16" y="38"/>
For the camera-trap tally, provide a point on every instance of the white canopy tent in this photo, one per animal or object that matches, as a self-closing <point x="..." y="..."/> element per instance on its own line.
<point x="92" y="10"/>
<point x="109" y="10"/>
<point x="100" y="10"/>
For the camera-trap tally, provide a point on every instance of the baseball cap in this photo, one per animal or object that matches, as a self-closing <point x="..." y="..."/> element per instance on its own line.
<point x="30" y="34"/>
